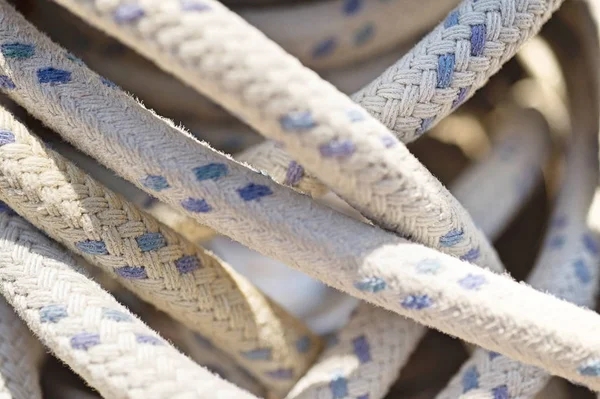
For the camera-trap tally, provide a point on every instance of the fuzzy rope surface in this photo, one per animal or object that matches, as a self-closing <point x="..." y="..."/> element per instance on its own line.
<point x="367" y="254"/>
<point x="88" y="329"/>
<point x="152" y="260"/>
<point x="344" y="146"/>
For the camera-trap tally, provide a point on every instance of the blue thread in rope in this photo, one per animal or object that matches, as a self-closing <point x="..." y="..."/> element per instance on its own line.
<point x="303" y="344"/>
<point x="471" y="255"/>
<point x="364" y="34"/>
<point x="556" y="242"/>
<point x="472" y="282"/>
<point x="389" y="141"/>
<point x="297" y="121"/>
<point x="452" y="238"/>
<point x="352" y="7"/>
<point x="337" y="149"/>
<point x="451" y="19"/>
<point x="253" y="192"/>
<point x="492" y="355"/>
<point x="7" y="83"/>
<point x="108" y="83"/>
<point x="85" y="340"/>
<point x="294" y="174"/>
<point x="477" y="40"/>
<point x="155" y="182"/>
<point x="462" y="95"/>
<point x="582" y="271"/>
<point x="500" y="392"/>
<point x="362" y="349"/>
<point x="590" y="244"/>
<point x="339" y="387"/>
<point x="148" y="339"/>
<point x="115" y="315"/>
<point x="428" y="266"/>
<point x="445" y="70"/>
<point x="128" y="13"/>
<point x="92" y="247"/>
<point x="187" y="264"/>
<point x="53" y="76"/>
<point x="324" y="48"/>
<point x="592" y="369"/>
<point x="17" y="50"/>
<point x="258" y="354"/>
<point x="132" y="272"/>
<point x="211" y="171"/>
<point x="53" y="313"/>
<point x="425" y="125"/>
<point x="6" y="137"/>
<point x="416" y="302"/>
<point x="196" y="205"/>
<point x="355" y="115"/>
<point x="470" y="380"/>
<point x="150" y="241"/>
<point x="371" y="284"/>
<point x="194" y="5"/>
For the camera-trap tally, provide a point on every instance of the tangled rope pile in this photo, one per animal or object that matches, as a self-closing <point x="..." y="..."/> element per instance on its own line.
<point x="417" y="254"/>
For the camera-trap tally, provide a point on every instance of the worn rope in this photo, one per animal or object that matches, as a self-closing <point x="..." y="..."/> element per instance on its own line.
<point x="568" y="267"/>
<point x="328" y="242"/>
<point x="342" y="32"/>
<point x="321" y="128"/>
<point x="88" y="329"/>
<point x="430" y="215"/>
<point x="369" y="352"/>
<point x="152" y="260"/>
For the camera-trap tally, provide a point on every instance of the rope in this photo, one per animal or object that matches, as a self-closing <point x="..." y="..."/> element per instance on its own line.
<point x="151" y="260"/>
<point x="343" y="134"/>
<point x="327" y="133"/>
<point x="342" y="32"/>
<point x="372" y="348"/>
<point x="352" y="254"/>
<point x="568" y="267"/>
<point x="20" y="356"/>
<point x="87" y="329"/>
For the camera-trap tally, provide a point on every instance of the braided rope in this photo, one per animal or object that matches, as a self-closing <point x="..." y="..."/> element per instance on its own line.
<point x="446" y="68"/>
<point x="86" y="328"/>
<point x="19" y="357"/>
<point x="342" y="32"/>
<point x="151" y="260"/>
<point x="352" y="252"/>
<point x="372" y="348"/>
<point x="429" y="215"/>
<point x="568" y="267"/>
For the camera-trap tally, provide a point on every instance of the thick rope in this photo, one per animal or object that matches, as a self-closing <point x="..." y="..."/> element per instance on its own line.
<point x="344" y="147"/>
<point x="320" y="128"/>
<point x="369" y="352"/>
<point x="568" y="267"/>
<point x="151" y="260"/>
<point x="339" y="32"/>
<point x="88" y="329"/>
<point x="324" y="241"/>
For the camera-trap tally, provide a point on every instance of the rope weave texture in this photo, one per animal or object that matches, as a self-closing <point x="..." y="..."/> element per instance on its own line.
<point x="150" y="259"/>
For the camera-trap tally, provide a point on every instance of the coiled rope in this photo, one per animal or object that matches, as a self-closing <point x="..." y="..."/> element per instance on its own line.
<point x="346" y="149"/>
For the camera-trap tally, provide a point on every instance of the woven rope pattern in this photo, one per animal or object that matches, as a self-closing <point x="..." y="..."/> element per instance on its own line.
<point x="85" y="327"/>
<point x="344" y="147"/>
<point x="418" y="291"/>
<point x="368" y="353"/>
<point x="150" y="259"/>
